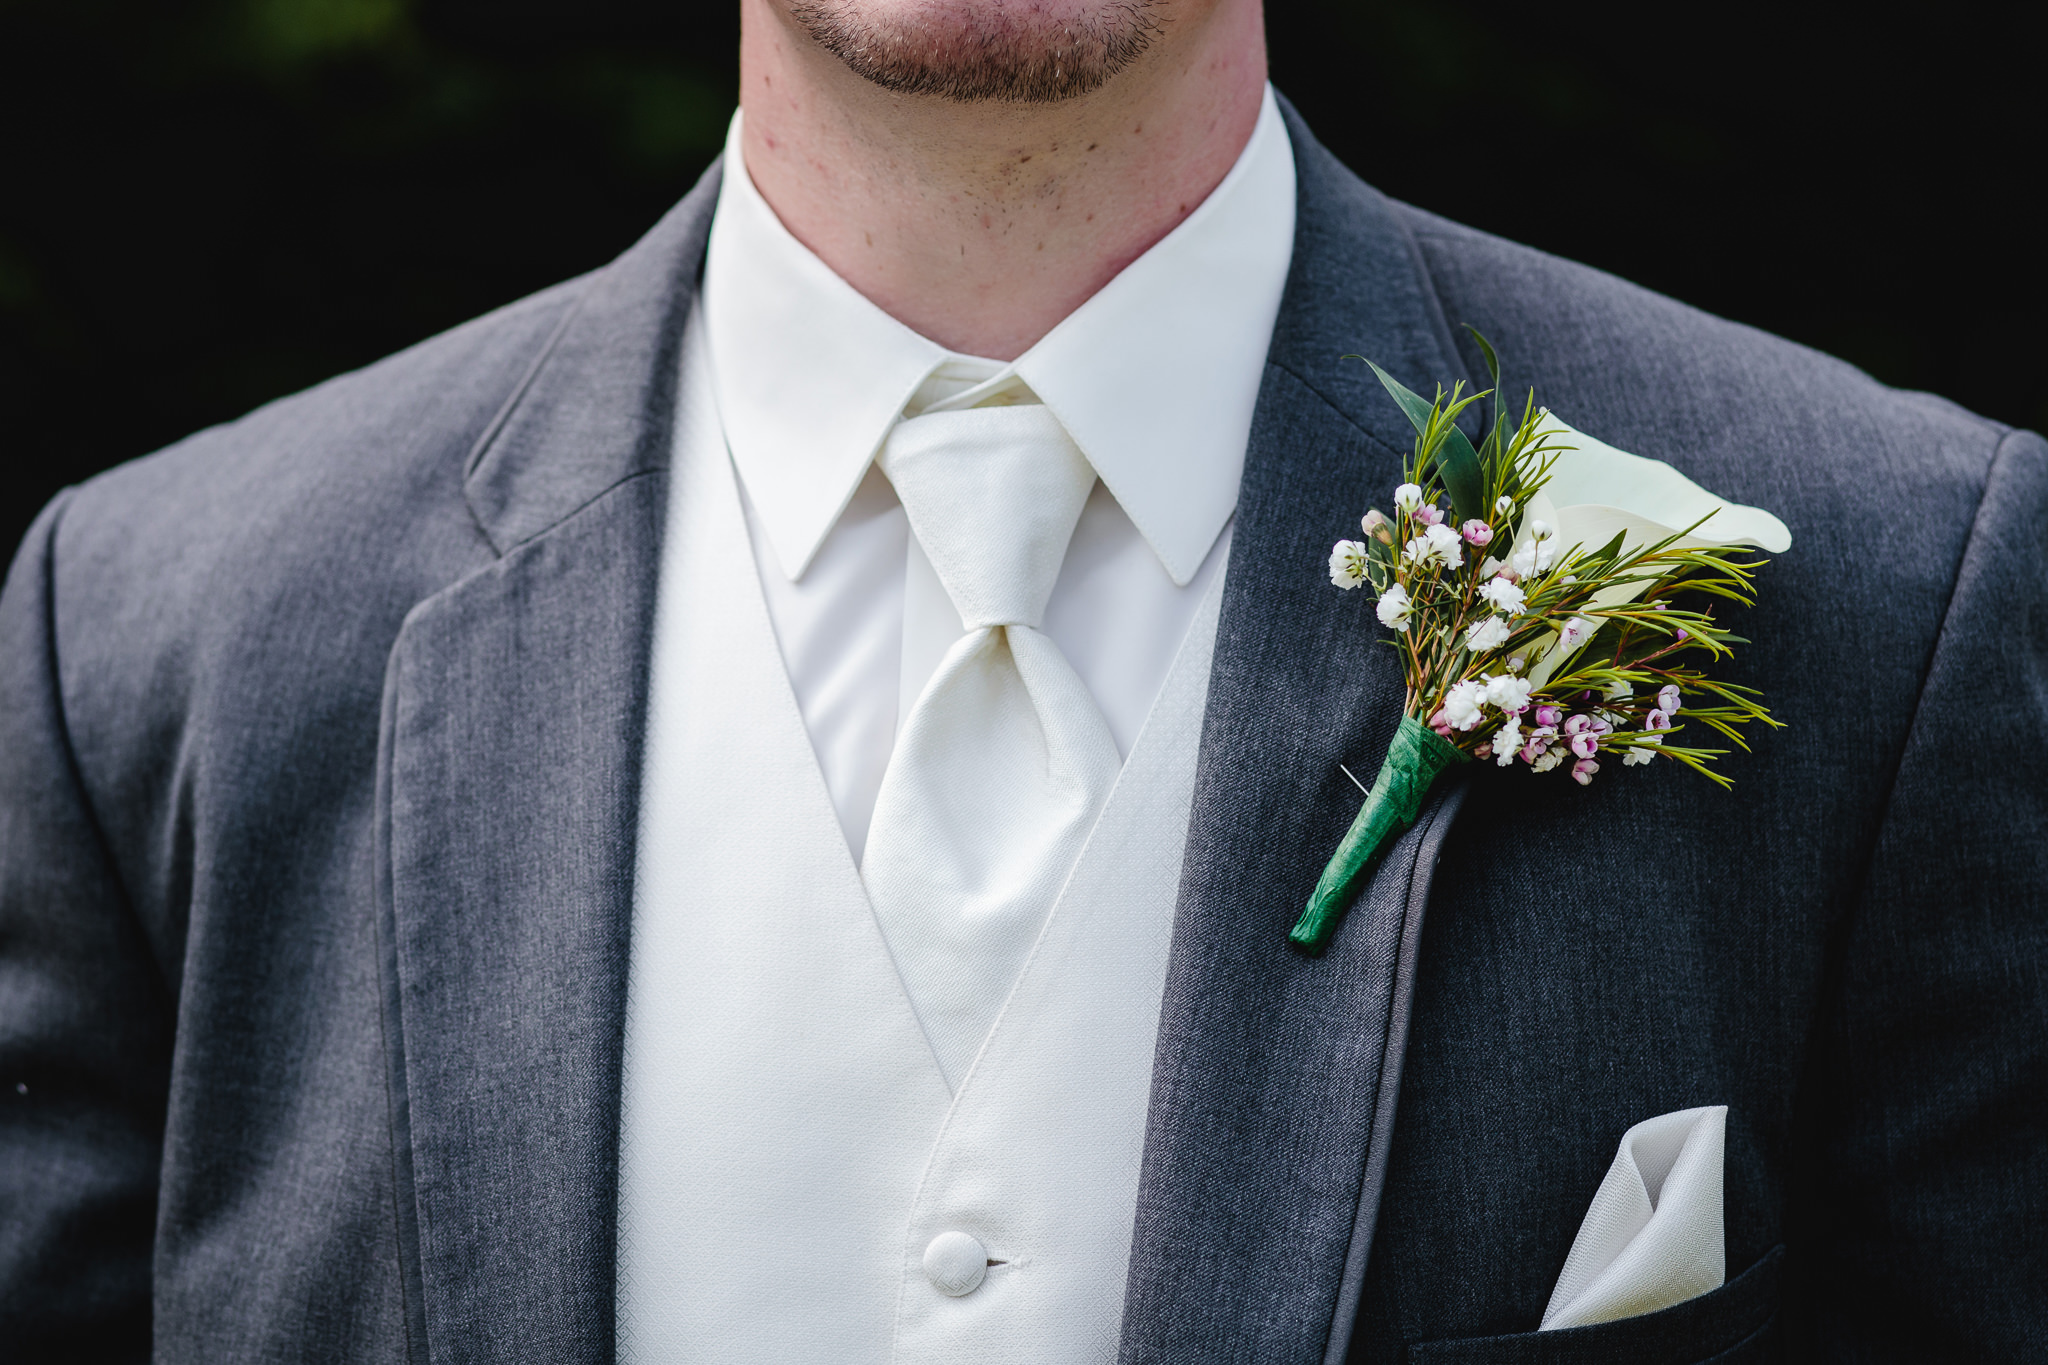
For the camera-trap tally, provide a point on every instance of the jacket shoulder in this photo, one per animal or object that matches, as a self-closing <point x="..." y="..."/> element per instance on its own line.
<point x="1584" y="330"/>
<point x="367" y="453"/>
<point x="276" y="555"/>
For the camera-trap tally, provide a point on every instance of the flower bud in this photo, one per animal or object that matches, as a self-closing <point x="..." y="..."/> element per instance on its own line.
<point x="1476" y="532"/>
<point x="1408" y="497"/>
<point x="1583" y="770"/>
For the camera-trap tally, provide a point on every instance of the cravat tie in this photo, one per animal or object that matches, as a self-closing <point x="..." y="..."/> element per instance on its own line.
<point x="1004" y="760"/>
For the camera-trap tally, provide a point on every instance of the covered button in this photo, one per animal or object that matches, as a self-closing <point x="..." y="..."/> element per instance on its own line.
<point x="955" y="1263"/>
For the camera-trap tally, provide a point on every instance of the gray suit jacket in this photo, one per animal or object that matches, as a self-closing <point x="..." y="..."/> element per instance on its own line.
<point x="318" y="756"/>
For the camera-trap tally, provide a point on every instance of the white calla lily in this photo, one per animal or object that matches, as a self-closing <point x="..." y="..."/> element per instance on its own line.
<point x="1596" y="491"/>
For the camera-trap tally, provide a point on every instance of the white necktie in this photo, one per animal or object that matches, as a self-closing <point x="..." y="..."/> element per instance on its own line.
<point x="1004" y="761"/>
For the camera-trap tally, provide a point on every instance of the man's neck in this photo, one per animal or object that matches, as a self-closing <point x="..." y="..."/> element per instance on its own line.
<point x="982" y="225"/>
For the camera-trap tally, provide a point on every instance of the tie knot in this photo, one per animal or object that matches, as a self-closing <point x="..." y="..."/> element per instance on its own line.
<point x="992" y="495"/>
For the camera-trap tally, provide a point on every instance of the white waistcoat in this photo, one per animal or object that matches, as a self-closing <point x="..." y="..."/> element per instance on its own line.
<point x="788" y="1145"/>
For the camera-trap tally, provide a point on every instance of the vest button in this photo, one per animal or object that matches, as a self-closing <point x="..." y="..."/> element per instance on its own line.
<point x="955" y="1263"/>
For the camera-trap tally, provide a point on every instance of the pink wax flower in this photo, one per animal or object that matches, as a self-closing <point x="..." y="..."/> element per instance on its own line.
<point x="1440" y="725"/>
<point x="1680" y="633"/>
<point x="1549" y="715"/>
<point x="1583" y="770"/>
<point x="1667" y="699"/>
<point x="1585" y="744"/>
<point x="1578" y="725"/>
<point x="1477" y="532"/>
<point x="1657" y="720"/>
<point x="1429" y="514"/>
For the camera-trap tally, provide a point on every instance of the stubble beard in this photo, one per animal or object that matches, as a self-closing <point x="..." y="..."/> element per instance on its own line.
<point x="974" y="53"/>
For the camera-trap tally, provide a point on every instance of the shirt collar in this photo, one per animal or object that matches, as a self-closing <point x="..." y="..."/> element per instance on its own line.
<point x="1154" y="377"/>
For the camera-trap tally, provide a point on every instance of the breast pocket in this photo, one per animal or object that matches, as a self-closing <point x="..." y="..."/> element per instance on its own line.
<point x="1734" y="1325"/>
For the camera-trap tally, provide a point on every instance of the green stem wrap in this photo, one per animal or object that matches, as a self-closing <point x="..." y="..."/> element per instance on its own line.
<point x="1415" y="759"/>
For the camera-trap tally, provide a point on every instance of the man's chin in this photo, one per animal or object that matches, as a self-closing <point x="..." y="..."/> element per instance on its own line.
<point x="975" y="50"/>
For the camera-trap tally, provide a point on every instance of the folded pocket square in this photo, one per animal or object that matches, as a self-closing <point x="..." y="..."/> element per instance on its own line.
<point x="1653" y="1236"/>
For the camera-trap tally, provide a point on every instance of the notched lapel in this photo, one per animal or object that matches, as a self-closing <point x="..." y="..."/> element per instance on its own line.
<point x="514" y="715"/>
<point x="517" y="703"/>
<point x="1274" y="1077"/>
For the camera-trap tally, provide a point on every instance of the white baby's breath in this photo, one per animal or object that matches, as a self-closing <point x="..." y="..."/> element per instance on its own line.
<point x="1489" y="633"/>
<point x="1506" y="597"/>
<point x="1437" y="544"/>
<point x="1347" y="564"/>
<point x="1506" y="741"/>
<point x="1394" y="608"/>
<point x="1462" y="703"/>
<point x="1509" y="694"/>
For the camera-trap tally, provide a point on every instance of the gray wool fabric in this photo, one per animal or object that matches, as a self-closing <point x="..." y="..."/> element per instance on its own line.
<point x="319" y="747"/>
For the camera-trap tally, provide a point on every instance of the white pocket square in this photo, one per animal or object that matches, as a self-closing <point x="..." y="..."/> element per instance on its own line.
<point x="1653" y="1236"/>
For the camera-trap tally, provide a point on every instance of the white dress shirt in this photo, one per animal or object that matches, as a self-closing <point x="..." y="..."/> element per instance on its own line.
<point x="1154" y="376"/>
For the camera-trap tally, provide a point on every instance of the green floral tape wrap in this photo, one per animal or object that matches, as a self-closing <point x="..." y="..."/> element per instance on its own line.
<point x="1415" y="759"/>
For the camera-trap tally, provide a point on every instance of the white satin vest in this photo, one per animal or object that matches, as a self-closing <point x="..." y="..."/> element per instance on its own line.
<point x="789" y="1149"/>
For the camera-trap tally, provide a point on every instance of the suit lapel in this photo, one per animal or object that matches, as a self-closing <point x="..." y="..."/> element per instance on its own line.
<point x="509" y="772"/>
<point x="1275" y="1074"/>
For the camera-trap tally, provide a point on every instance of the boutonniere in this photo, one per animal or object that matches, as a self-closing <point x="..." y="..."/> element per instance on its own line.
<point x="1554" y="616"/>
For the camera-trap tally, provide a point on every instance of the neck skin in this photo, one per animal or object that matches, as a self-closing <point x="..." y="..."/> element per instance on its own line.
<point x="982" y="225"/>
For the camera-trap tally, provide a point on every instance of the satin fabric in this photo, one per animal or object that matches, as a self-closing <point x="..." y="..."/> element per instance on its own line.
<point x="789" y="1146"/>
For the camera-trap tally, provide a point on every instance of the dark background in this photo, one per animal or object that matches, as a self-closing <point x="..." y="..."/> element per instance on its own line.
<point x="205" y="204"/>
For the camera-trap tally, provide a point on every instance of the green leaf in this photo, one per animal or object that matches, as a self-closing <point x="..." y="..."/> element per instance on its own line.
<point x="1486" y="348"/>
<point x="1413" y="404"/>
<point x="1611" y="550"/>
<point x="1463" y="478"/>
<point x="1494" y="445"/>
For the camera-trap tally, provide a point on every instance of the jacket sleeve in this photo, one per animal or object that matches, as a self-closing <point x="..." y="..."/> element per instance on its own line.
<point x="85" y="1023"/>
<point x="1925" y="1209"/>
